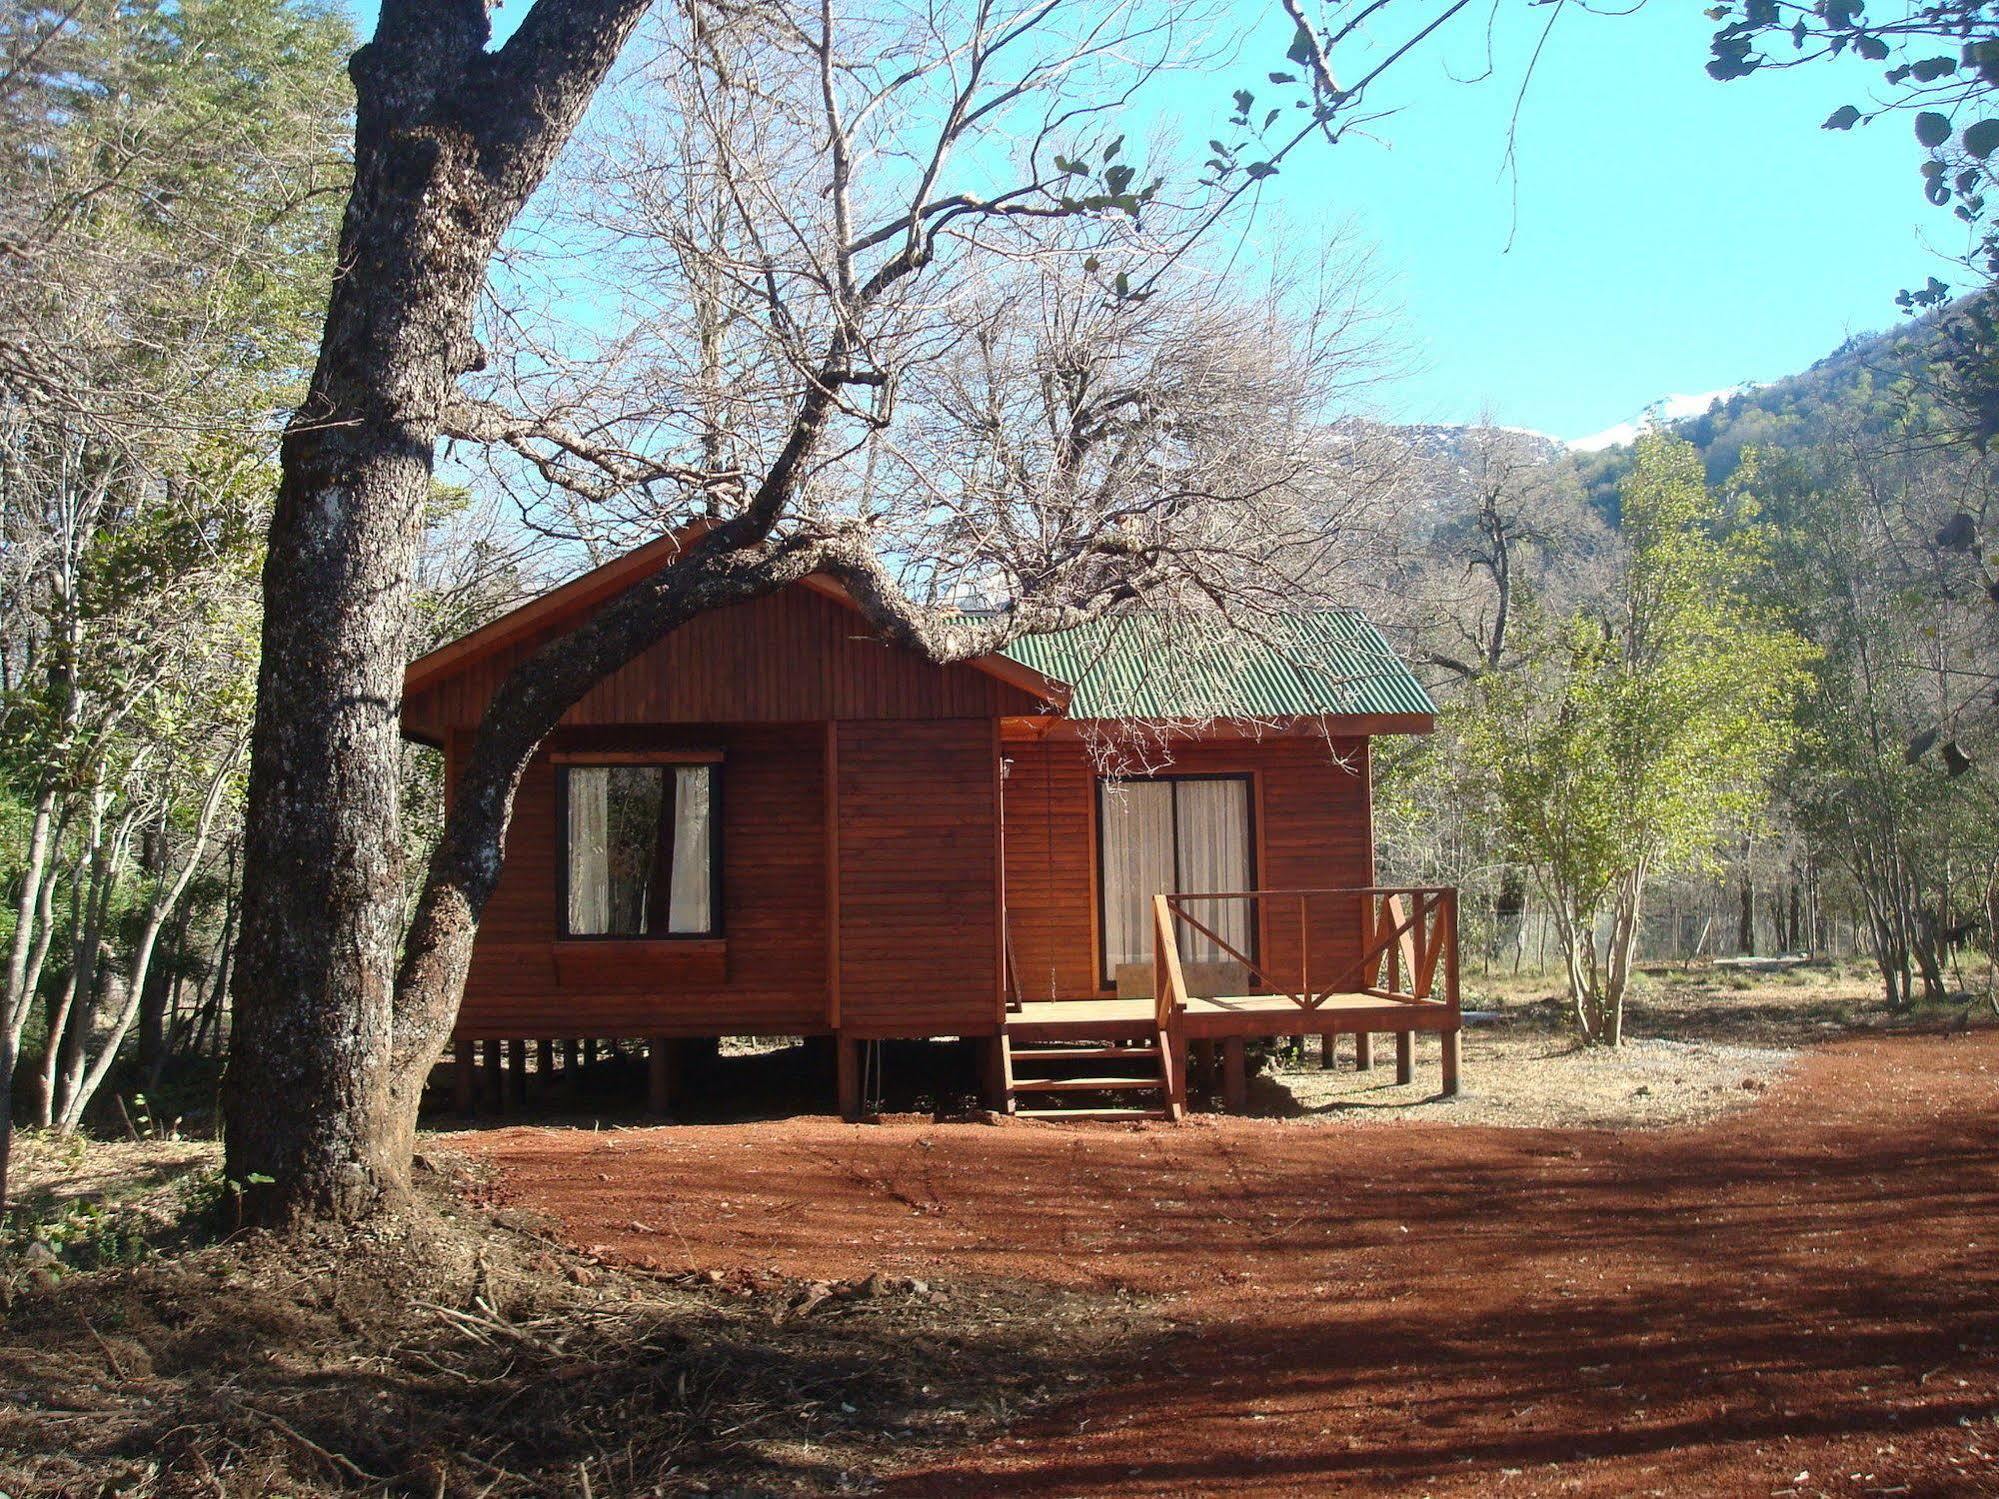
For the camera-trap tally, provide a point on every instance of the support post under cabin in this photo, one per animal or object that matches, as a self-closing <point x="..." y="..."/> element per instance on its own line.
<point x="517" y="1073"/>
<point x="490" y="1079"/>
<point x="1235" y="1075"/>
<point x="1329" y="1052"/>
<point x="659" y="1075"/>
<point x="1363" y="1051"/>
<point x="848" y="1066"/>
<point x="992" y="1072"/>
<point x="1453" y="1060"/>
<point x="464" y="1079"/>
<point x="1405" y="1057"/>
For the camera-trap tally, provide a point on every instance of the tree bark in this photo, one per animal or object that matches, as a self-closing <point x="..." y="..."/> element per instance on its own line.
<point x="450" y="141"/>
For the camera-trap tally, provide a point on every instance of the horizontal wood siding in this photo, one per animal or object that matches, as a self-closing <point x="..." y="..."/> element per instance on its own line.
<point x="1314" y="829"/>
<point x="795" y="656"/>
<point x="918" y="870"/>
<point x="771" y="977"/>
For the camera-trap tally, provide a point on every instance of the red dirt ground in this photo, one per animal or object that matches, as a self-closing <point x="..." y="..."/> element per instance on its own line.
<point x="1799" y="1298"/>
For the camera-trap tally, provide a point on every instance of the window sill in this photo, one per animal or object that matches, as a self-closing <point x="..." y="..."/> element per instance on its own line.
<point x="639" y="962"/>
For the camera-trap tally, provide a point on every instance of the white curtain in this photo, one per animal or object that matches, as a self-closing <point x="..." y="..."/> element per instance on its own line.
<point x="589" y="851"/>
<point x="690" y="895"/>
<point x="1138" y="864"/>
<point x="1212" y="823"/>
<point x="619" y="849"/>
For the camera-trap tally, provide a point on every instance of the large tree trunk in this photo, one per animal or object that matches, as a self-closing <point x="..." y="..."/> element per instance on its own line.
<point x="450" y="140"/>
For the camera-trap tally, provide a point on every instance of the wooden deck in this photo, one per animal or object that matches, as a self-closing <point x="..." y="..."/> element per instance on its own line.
<point x="1404" y="982"/>
<point x="1231" y="1015"/>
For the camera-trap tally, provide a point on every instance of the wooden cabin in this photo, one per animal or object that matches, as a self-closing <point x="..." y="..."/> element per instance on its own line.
<point x="1103" y="858"/>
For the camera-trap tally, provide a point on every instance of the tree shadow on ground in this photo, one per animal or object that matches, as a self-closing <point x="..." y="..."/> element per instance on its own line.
<point x="484" y="1362"/>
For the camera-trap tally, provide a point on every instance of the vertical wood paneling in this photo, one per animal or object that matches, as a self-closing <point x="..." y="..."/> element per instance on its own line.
<point x="1314" y="831"/>
<point x="774" y="906"/>
<point x="918" y="877"/>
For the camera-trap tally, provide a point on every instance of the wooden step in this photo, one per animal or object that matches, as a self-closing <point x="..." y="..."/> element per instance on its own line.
<point x="1086" y="1053"/>
<point x="1083" y="1032"/>
<point x="1081" y="1084"/>
<point x="1087" y="1114"/>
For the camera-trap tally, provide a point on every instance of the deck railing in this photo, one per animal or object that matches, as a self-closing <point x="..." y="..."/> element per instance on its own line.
<point x="1407" y="943"/>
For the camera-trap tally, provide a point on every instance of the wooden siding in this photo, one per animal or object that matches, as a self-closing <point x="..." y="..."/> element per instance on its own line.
<point x="769" y="975"/>
<point x="918" y="878"/>
<point x="1311" y="803"/>
<point x="795" y="656"/>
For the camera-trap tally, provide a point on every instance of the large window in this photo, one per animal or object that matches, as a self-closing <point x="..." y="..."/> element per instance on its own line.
<point x="639" y="850"/>
<point x="1170" y="835"/>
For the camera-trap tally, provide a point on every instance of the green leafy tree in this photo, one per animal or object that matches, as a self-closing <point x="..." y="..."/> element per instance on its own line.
<point x="1643" y="729"/>
<point x="168" y="180"/>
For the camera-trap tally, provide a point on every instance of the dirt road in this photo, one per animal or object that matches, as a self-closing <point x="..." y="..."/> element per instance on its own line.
<point x="1799" y="1298"/>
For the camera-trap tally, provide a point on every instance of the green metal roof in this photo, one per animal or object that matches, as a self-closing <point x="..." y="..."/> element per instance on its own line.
<point x="1329" y="661"/>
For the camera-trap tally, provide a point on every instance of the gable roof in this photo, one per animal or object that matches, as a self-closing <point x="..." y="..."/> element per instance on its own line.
<point x="1326" y="663"/>
<point x="600" y="584"/>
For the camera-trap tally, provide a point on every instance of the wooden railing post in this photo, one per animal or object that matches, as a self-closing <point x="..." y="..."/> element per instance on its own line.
<point x="1169" y="983"/>
<point x="1451" y="949"/>
<point x="1396" y="946"/>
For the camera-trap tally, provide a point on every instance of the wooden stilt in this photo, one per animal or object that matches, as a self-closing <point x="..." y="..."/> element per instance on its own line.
<point x="659" y="1075"/>
<point x="490" y="1079"/>
<point x="463" y="1079"/>
<point x="517" y="1074"/>
<point x="1329" y="1052"/>
<point x="1405" y="1057"/>
<point x="1453" y="1061"/>
<point x="590" y="1051"/>
<point x="992" y="1072"/>
<point x="848" y="1065"/>
<point x="1177" y="1056"/>
<point x="572" y="1051"/>
<point x="1235" y="1075"/>
<point x="1363" y="1051"/>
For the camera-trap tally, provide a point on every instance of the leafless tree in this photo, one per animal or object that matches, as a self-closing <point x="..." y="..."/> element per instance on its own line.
<point x="938" y="132"/>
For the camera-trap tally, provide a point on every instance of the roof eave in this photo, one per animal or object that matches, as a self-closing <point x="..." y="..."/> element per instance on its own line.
<point x="1330" y="725"/>
<point x="613" y="577"/>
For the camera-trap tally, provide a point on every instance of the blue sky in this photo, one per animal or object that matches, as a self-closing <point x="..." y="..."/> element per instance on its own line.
<point x="1672" y="235"/>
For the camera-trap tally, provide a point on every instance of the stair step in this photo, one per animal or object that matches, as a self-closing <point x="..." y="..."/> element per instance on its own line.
<point x="1085" y="1053"/>
<point x="1091" y="1114"/>
<point x="1080" y="1084"/>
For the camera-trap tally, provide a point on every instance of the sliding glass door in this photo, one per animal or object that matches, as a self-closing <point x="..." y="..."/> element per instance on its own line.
<point x="1173" y="835"/>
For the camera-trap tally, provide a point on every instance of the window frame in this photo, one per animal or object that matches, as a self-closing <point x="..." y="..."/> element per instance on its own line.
<point x="1107" y="973"/>
<point x="665" y="760"/>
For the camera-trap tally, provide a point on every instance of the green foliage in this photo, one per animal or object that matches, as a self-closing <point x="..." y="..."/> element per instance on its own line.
<point x="1645" y="727"/>
<point x="1940" y="65"/>
<point x="170" y="179"/>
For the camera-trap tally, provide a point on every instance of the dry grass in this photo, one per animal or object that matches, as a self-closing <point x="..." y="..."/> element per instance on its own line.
<point x="1701" y="1042"/>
